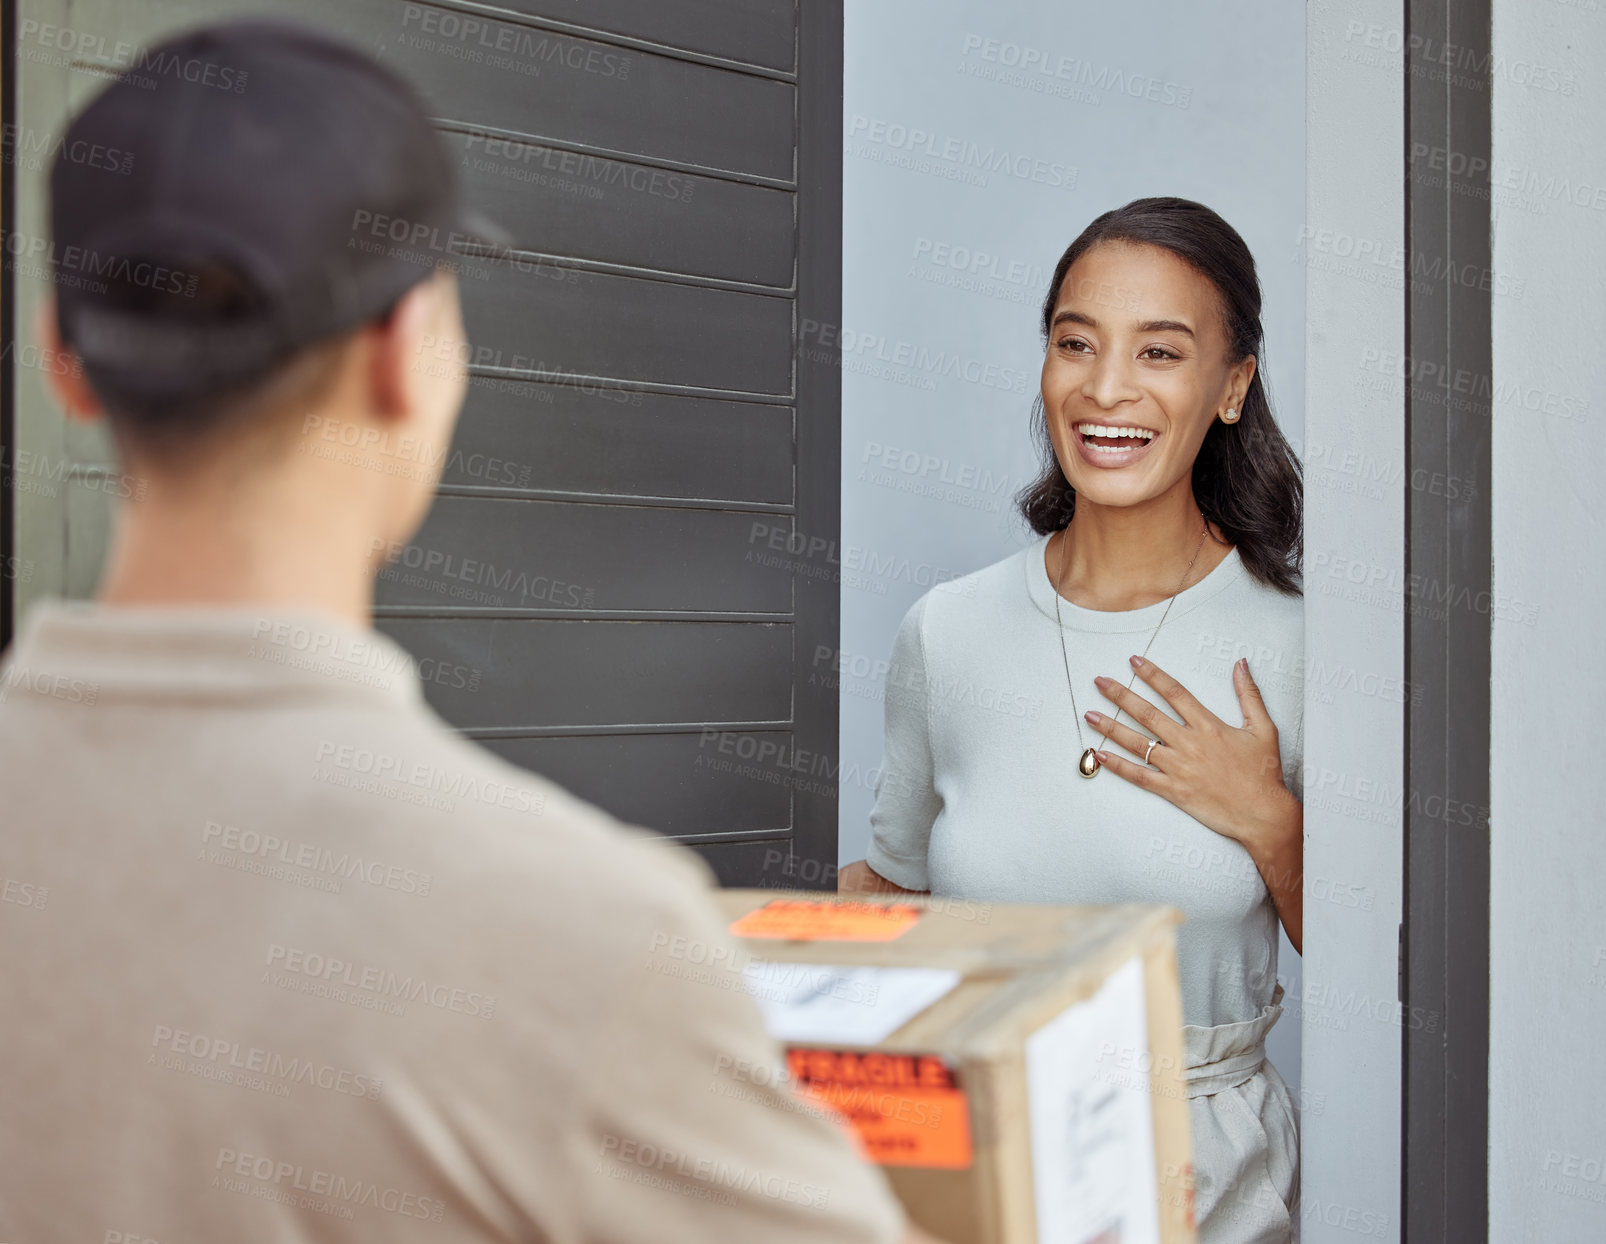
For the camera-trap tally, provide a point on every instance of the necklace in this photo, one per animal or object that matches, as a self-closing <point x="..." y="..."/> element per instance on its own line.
<point x="1089" y="765"/>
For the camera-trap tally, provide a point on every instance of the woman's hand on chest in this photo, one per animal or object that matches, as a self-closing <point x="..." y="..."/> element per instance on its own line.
<point x="1226" y="777"/>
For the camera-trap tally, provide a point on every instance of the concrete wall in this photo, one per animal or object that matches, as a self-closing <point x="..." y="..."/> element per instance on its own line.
<point x="1094" y="106"/>
<point x="1547" y="1082"/>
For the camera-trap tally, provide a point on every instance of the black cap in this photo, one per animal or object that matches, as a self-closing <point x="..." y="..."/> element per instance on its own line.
<point x="291" y="163"/>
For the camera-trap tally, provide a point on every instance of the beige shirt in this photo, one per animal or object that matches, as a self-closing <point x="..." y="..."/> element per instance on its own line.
<point x="283" y="958"/>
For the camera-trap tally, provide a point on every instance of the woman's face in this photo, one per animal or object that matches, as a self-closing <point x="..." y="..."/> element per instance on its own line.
<point x="1136" y="369"/>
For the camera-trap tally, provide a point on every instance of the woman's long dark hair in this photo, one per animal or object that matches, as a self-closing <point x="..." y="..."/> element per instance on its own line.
<point x="1246" y="478"/>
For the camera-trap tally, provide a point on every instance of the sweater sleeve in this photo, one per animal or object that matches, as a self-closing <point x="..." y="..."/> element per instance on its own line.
<point x="906" y="800"/>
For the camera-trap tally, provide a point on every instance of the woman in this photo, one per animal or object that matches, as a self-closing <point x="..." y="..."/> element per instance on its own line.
<point x="1168" y="525"/>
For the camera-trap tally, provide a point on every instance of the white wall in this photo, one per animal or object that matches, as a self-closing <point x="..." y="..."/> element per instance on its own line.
<point x="1354" y="529"/>
<point x="1142" y="98"/>
<point x="1547" y="1080"/>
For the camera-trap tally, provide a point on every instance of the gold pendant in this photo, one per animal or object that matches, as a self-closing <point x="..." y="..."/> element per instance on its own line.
<point x="1089" y="764"/>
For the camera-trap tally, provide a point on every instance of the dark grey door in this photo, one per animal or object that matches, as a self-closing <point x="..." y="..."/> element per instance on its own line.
<point x="605" y="590"/>
<point x="631" y="563"/>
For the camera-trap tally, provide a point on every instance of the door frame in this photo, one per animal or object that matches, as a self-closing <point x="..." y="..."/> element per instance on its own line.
<point x="817" y="387"/>
<point x="1395" y="1006"/>
<point x="8" y="324"/>
<point x="1444" y="1195"/>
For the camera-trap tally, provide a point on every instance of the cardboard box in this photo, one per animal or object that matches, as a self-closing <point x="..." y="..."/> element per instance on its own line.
<point x="1011" y="1024"/>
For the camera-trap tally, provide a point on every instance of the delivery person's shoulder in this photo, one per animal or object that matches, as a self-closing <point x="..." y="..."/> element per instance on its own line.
<point x="522" y="849"/>
<point x="618" y="960"/>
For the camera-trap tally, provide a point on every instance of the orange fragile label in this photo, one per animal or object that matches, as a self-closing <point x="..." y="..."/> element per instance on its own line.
<point x="903" y="1109"/>
<point x="812" y="921"/>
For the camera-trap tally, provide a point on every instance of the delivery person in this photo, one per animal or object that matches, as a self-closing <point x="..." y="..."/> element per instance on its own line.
<point x="283" y="958"/>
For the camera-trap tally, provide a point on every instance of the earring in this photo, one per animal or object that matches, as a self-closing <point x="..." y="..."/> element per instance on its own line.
<point x="1230" y="417"/>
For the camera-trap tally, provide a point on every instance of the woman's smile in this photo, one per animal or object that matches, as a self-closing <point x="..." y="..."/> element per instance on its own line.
<point x="1110" y="445"/>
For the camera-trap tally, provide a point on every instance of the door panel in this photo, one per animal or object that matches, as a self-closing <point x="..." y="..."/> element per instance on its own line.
<point x="584" y="437"/>
<point x="583" y="92"/>
<point x="681" y="783"/>
<point x="558" y="201"/>
<point x="541" y="675"/>
<point x="757" y="31"/>
<point x="500" y="553"/>
<point x="553" y="319"/>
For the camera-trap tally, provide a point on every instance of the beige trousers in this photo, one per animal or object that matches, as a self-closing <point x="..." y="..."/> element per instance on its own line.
<point x="1245" y="1139"/>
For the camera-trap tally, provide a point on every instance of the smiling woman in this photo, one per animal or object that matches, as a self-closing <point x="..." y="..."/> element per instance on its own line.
<point x="1244" y="476"/>
<point x="1168" y="517"/>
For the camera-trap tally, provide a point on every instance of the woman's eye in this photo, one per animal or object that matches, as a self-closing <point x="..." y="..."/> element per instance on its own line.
<point x="1158" y="353"/>
<point x="1075" y="344"/>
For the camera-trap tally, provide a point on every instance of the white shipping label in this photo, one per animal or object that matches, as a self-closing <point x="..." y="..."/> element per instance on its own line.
<point x="1092" y="1124"/>
<point x="828" y="1004"/>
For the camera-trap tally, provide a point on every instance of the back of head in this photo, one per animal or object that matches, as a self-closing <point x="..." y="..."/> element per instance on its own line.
<point x="253" y="227"/>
